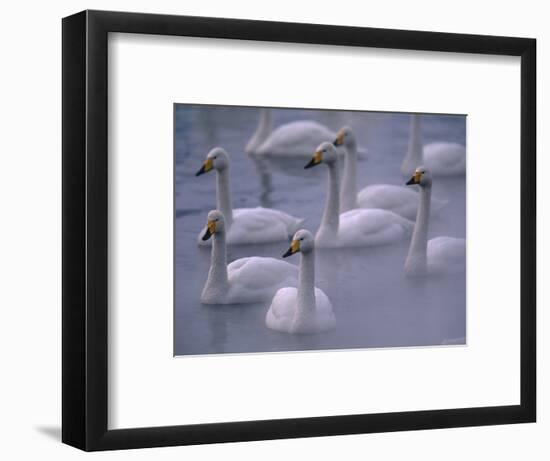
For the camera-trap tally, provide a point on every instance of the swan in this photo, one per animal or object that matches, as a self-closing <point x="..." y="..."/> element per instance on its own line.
<point x="245" y="225"/>
<point x="359" y="227"/>
<point x="305" y="309"/>
<point x="442" y="158"/>
<point x="285" y="149"/>
<point x="398" y="199"/>
<point x="246" y="280"/>
<point x="292" y="139"/>
<point x="440" y="254"/>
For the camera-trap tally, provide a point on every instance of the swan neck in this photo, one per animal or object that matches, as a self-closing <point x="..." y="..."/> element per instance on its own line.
<point x="419" y="242"/>
<point x="223" y="195"/>
<point x="349" y="184"/>
<point x="264" y="125"/>
<point x="331" y="215"/>
<point x="217" y="276"/>
<point x="306" y="284"/>
<point x="263" y="130"/>
<point x="414" y="151"/>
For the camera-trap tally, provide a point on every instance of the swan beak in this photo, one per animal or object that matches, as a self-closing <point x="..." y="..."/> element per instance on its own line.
<point x="210" y="230"/>
<point x="314" y="161"/>
<point x="206" y="167"/>
<point x="339" y="139"/>
<point x="415" y="179"/>
<point x="294" y="248"/>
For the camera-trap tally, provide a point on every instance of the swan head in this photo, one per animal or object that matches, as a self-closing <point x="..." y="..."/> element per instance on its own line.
<point x="345" y="137"/>
<point x="217" y="159"/>
<point x="215" y="224"/>
<point x="325" y="153"/>
<point x="421" y="176"/>
<point x="302" y="241"/>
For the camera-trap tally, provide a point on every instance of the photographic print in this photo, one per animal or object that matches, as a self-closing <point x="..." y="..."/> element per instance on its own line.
<point x="304" y="230"/>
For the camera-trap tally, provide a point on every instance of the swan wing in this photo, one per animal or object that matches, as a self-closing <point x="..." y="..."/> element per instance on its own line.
<point x="322" y="319"/>
<point x="260" y="276"/>
<point x="283" y="304"/>
<point x="236" y="265"/>
<point x="323" y="305"/>
<point x="296" y="138"/>
<point x="282" y="313"/>
<point x="269" y="215"/>
<point x="363" y="227"/>
<point x="261" y="225"/>
<point x="446" y="255"/>
<point x="399" y="199"/>
<point x="445" y="158"/>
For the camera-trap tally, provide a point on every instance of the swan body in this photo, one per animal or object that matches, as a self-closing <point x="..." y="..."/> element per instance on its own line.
<point x="297" y="138"/>
<point x="357" y="227"/>
<point x="441" y="158"/>
<point x="440" y="255"/>
<point x="245" y="225"/>
<point x="261" y="225"/>
<point x="398" y="199"/>
<point x="286" y="148"/>
<point x="394" y="198"/>
<point x="305" y="309"/>
<point x="368" y="227"/>
<point x="446" y="255"/>
<point x="293" y="139"/>
<point x="246" y="280"/>
<point x="281" y="315"/>
<point x="445" y="158"/>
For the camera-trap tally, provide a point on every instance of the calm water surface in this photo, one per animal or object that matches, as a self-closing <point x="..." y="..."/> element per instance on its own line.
<point x="374" y="303"/>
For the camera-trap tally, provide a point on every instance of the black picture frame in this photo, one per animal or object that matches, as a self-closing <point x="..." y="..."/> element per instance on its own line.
<point x="85" y="220"/>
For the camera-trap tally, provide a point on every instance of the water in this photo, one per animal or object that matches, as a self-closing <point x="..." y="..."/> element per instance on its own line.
<point x="374" y="303"/>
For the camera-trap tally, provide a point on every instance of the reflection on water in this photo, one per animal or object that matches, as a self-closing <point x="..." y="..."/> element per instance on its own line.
<point x="374" y="303"/>
<point x="263" y="170"/>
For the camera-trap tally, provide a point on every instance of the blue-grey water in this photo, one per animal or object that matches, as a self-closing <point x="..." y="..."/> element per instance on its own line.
<point x="374" y="303"/>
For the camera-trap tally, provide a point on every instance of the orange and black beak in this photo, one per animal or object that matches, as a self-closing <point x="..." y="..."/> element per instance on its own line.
<point x="415" y="179"/>
<point x="206" y="167"/>
<point x="210" y="230"/>
<point x="294" y="248"/>
<point x="339" y="141"/>
<point x="316" y="160"/>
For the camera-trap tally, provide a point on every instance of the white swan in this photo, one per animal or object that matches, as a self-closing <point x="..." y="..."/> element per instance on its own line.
<point x="298" y="138"/>
<point x="399" y="199"/>
<point x="305" y="309"/>
<point x="442" y="158"/>
<point x="440" y="254"/>
<point x="246" y="280"/>
<point x="245" y="225"/>
<point x="360" y="227"/>
<point x="285" y="149"/>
